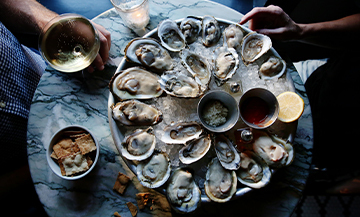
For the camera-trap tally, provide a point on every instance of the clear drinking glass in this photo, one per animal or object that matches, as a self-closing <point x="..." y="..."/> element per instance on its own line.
<point x="134" y="13"/>
<point x="69" y="43"/>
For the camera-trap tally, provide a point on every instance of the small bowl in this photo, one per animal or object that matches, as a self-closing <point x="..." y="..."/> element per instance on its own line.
<point x="269" y="100"/>
<point x="55" y="138"/>
<point x="228" y="101"/>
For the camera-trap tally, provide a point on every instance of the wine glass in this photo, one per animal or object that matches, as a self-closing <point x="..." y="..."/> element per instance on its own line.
<point x="69" y="43"/>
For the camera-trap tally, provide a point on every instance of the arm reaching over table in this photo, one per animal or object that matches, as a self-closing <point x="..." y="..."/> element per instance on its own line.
<point x="29" y="16"/>
<point x="336" y="34"/>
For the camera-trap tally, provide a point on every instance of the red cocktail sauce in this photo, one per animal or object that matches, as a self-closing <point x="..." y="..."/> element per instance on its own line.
<point x="254" y="110"/>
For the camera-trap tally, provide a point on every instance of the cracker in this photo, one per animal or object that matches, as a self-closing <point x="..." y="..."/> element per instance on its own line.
<point x="54" y="156"/>
<point x="86" y="144"/>
<point x="73" y="163"/>
<point x="142" y="200"/>
<point x="65" y="147"/>
<point x="121" y="183"/>
<point x="132" y="208"/>
<point x="117" y="214"/>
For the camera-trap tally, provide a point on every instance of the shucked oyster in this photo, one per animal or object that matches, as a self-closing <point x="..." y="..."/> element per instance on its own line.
<point x="253" y="171"/>
<point x="135" y="83"/>
<point x="276" y="152"/>
<point x="211" y="32"/>
<point x="226" y="63"/>
<point x="139" y="145"/>
<point x="195" y="150"/>
<point x="180" y="85"/>
<point x="183" y="193"/>
<point x="181" y="132"/>
<point x="226" y="153"/>
<point x="155" y="171"/>
<point x="253" y="46"/>
<point x="220" y="184"/>
<point x="198" y="66"/>
<point x="233" y="35"/>
<point x="170" y="35"/>
<point x="273" y="67"/>
<point x="133" y="112"/>
<point x="191" y="27"/>
<point x="149" y="53"/>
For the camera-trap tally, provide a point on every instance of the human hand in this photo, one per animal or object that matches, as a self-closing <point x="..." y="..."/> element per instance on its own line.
<point x="103" y="55"/>
<point x="272" y="21"/>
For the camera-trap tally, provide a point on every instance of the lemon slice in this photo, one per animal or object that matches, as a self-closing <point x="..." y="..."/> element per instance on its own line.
<point x="291" y="106"/>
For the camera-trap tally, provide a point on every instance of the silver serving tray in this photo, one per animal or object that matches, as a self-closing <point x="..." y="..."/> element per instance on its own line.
<point x="117" y="130"/>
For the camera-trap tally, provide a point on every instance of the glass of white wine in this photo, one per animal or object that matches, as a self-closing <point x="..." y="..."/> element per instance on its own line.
<point x="69" y="43"/>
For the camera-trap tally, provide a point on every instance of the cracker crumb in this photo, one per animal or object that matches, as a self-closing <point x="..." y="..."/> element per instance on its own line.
<point x="142" y="200"/>
<point x="121" y="183"/>
<point x="117" y="214"/>
<point x="132" y="208"/>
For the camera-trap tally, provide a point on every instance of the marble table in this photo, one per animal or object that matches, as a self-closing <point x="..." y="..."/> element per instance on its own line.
<point x="63" y="99"/>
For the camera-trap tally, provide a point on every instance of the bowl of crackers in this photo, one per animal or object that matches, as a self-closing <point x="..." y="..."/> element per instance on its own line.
<point x="73" y="152"/>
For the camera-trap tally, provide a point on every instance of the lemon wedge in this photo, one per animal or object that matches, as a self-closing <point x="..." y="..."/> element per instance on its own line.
<point x="291" y="106"/>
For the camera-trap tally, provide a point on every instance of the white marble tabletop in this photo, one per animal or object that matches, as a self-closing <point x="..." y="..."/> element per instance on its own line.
<point x="64" y="99"/>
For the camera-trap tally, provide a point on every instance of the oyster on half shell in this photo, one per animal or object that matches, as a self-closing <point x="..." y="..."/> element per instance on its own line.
<point x="171" y="36"/>
<point x="191" y="28"/>
<point x="183" y="193"/>
<point x="149" y="53"/>
<point x="220" y="183"/>
<point x="139" y="145"/>
<point x="273" y="67"/>
<point x="233" y="35"/>
<point x="135" y="83"/>
<point x="211" y="31"/>
<point x="253" y="46"/>
<point x="226" y="63"/>
<point x="226" y="153"/>
<point x="180" y="85"/>
<point x="195" y="150"/>
<point x="181" y="132"/>
<point x="154" y="171"/>
<point x="134" y="112"/>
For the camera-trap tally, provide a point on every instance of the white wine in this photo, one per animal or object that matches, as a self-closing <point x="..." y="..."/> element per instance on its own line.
<point x="69" y="43"/>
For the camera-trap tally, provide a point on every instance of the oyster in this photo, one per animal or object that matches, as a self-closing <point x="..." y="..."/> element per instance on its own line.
<point x="211" y="32"/>
<point x="253" y="171"/>
<point x="171" y="36"/>
<point x="139" y="145"/>
<point x="133" y="112"/>
<point x="220" y="184"/>
<point x="181" y="132"/>
<point x="195" y="150"/>
<point x="275" y="151"/>
<point x="198" y="66"/>
<point x="226" y="63"/>
<point x="226" y="153"/>
<point x="273" y="67"/>
<point x="183" y="193"/>
<point x="190" y="27"/>
<point x="135" y="83"/>
<point x="233" y="35"/>
<point x="253" y="46"/>
<point x="155" y="171"/>
<point x="149" y="53"/>
<point x="180" y="85"/>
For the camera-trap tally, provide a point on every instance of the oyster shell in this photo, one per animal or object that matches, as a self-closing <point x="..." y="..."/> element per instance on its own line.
<point x="226" y="63"/>
<point x="183" y="193"/>
<point x="198" y="66"/>
<point x="275" y="151"/>
<point x="149" y="53"/>
<point x="133" y="112"/>
<point x="135" y="83"/>
<point x="139" y="145"/>
<point x="180" y="85"/>
<point x="226" y="153"/>
<point x="171" y="36"/>
<point x="253" y="171"/>
<point x="195" y="150"/>
<point x="155" y="171"/>
<point x="220" y="184"/>
<point x="253" y="46"/>
<point x="233" y="35"/>
<point x="181" y="132"/>
<point x="191" y="28"/>
<point x="211" y="32"/>
<point x="273" y="67"/>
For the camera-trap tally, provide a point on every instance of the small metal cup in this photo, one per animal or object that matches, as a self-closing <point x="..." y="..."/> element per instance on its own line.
<point x="269" y="99"/>
<point x="228" y="101"/>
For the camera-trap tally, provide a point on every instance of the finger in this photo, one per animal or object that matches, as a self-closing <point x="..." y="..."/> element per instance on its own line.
<point x="98" y="63"/>
<point x="249" y="16"/>
<point x="278" y="33"/>
<point x="105" y="42"/>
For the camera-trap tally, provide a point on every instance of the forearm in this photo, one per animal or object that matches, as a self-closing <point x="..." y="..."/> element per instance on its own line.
<point x="338" y="34"/>
<point x="27" y="16"/>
